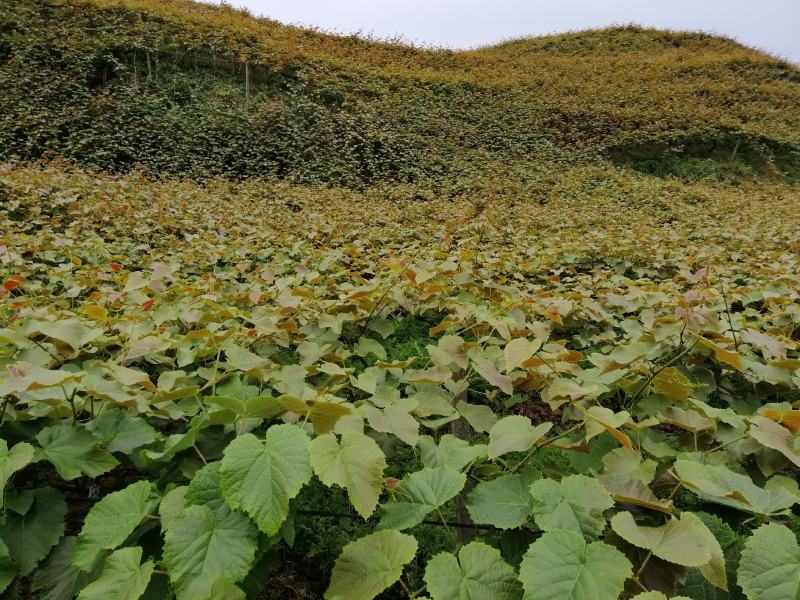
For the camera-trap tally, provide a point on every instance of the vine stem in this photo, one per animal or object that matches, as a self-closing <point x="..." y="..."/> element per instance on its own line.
<point x="728" y="314"/>
<point x="200" y="454"/>
<point x="449" y="531"/>
<point x="547" y="364"/>
<point x="642" y="566"/>
<point x="70" y="398"/>
<point x="639" y="571"/>
<point x="677" y="485"/>
<point x="405" y="587"/>
<point x="733" y="441"/>
<point x="674" y="491"/>
<point x="419" y="591"/>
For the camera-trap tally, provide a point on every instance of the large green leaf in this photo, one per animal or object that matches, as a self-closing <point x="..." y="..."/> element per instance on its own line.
<point x="261" y="476"/>
<point x="57" y="578"/>
<point x="225" y="590"/>
<point x="323" y="415"/>
<point x="179" y="442"/>
<point x="111" y="521"/>
<point x="576" y="503"/>
<point x="420" y="493"/>
<point x="696" y="583"/>
<point x="395" y="420"/>
<point x="356" y="463"/>
<point x="486" y="369"/>
<point x="124" y="577"/>
<point x="772" y="435"/>
<point x="449" y="452"/>
<point x="504" y="502"/>
<point x="12" y="461"/>
<point x="518" y="350"/>
<point x="369" y="565"/>
<point x="562" y="566"/>
<point x="73" y="451"/>
<point x="244" y="360"/>
<point x="623" y="464"/>
<point x="120" y="431"/>
<point x="769" y="568"/>
<point x="683" y="541"/>
<point x="200" y="547"/>
<point x="657" y="596"/>
<point x="171" y="505"/>
<point x="719" y="484"/>
<point x="255" y="407"/>
<point x="514" y="434"/>
<point x="29" y="537"/>
<point x="449" y="351"/>
<point x="479" y="416"/>
<point x="73" y="333"/>
<point x="479" y="573"/>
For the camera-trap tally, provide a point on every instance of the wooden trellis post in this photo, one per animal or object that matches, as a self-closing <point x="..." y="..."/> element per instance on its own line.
<point x="247" y="82"/>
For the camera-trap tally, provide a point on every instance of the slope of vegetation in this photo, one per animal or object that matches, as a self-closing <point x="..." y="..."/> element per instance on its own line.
<point x="183" y="89"/>
<point x="288" y="315"/>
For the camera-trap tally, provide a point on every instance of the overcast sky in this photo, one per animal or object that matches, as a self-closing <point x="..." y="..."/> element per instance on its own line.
<point x="772" y="25"/>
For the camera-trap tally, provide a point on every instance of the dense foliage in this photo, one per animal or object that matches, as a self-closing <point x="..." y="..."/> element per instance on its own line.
<point x="287" y="315"/>
<point x="183" y="89"/>
<point x="577" y="414"/>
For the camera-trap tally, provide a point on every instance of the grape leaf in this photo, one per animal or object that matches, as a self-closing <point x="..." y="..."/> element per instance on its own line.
<point x="683" y="541"/>
<point x="110" y="522"/>
<point x="224" y="590"/>
<point x="576" y="503"/>
<point x="514" y="434"/>
<point x="124" y="577"/>
<point x="261" y="476"/>
<point x="29" y="537"/>
<point x="721" y="485"/>
<point x="518" y="350"/>
<point x="562" y="566"/>
<point x="73" y="451"/>
<point x="420" y="493"/>
<point x="486" y="369"/>
<point x="479" y="573"/>
<point x="769" y="568"/>
<point x="58" y="578"/>
<point x="120" y="431"/>
<point x="369" y="565"/>
<point x="479" y="416"/>
<point x="356" y="463"/>
<point x="773" y="435"/>
<point x="12" y="461"/>
<point x="449" y="452"/>
<point x="504" y="502"/>
<point x="200" y="547"/>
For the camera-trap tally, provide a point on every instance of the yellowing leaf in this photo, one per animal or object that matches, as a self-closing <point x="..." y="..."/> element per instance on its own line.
<point x="518" y="350"/>
<point x="98" y="313"/>
<point x="673" y="384"/>
<point x="729" y="357"/>
<point x="489" y="372"/>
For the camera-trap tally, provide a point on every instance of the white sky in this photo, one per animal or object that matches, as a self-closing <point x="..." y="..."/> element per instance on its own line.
<point x="771" y="25"/>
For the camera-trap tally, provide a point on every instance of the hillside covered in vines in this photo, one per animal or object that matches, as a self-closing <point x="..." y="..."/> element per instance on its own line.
<point x="296" y="316"/>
